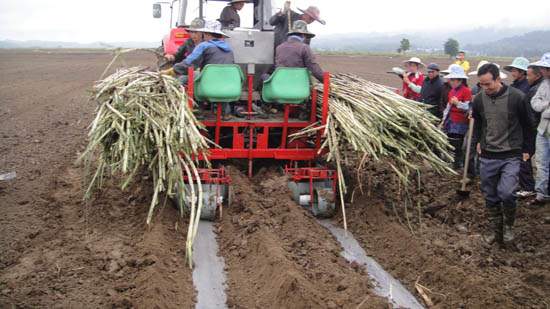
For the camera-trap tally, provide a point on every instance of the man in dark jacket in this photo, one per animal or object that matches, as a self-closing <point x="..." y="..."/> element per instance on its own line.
<point x="519" y="69"/>
<point x="430" y="92"/>
<point x="294" y="53"/>
<point x="503" y="125"/>
<point x="187" y="47"/>
<point x="229" y="18"/>
<point x="282" y="24"/>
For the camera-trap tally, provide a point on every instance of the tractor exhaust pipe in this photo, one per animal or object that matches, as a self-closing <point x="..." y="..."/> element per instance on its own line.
<point x="182" y="12"/>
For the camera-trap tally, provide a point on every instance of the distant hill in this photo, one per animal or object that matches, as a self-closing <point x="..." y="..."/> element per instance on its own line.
<point x="531" y="44"/>
<point x="55" y="44"/>
<point x="433" y="42"/>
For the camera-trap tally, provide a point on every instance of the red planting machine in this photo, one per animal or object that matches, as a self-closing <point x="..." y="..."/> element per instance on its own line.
<point x="253" y="135"/>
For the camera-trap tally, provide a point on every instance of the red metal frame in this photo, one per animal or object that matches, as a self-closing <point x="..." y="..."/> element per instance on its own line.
<point x="297" y="150"/>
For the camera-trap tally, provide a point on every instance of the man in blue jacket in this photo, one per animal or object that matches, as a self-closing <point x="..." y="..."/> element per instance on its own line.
<point x="213" y="50"/>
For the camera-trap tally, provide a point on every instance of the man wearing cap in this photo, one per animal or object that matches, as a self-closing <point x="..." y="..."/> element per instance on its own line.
<point x="502" y="127"/>
<point x="412" y="78"/>
<point x="187" y="47"/>
<point x="461" y="62"/>
<point x="430" y="92"/>
<point x="541" y="104"/>
<point x="526" y="180"/>
<point x="229" y="18"/>
<point x="519" y="69"/>
<point x="294" y="53"/>
<point x="281" y="22"/>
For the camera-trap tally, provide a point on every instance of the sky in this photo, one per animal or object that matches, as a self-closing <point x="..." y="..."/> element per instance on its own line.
<point x="132" y="20"/>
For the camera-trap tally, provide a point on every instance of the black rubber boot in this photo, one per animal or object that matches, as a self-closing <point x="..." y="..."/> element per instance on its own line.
<point x="509" y="212"/>
<point x="494" y="216"/>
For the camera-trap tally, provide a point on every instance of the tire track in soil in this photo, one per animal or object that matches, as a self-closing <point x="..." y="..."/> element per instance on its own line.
<point x="278" y="256"/>
<point x="101" y="254"/>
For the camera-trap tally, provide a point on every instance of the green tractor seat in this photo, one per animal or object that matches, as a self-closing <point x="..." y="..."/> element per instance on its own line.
<point x="219" y="83"/>
<point x="287" y="86"/>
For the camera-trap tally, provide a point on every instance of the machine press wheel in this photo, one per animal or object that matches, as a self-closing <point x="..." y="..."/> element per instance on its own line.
<point x="293" y="186"/>
<point x="323" y="202"/>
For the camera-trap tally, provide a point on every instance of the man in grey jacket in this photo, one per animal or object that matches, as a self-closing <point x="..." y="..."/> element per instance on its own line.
<point x="502" y="126"/>
<point x="294" y="53"/>
<point x="541" y="104"/>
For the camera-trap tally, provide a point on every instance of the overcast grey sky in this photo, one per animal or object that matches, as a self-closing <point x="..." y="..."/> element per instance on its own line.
<point x="131" y="20"/>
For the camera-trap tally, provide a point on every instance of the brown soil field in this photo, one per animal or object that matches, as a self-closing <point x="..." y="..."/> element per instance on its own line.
<point x="61" y="252"/>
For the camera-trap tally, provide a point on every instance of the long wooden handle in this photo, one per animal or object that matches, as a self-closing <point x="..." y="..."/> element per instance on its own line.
<point x="289" y="19"/>
<point x="467" y="158"/>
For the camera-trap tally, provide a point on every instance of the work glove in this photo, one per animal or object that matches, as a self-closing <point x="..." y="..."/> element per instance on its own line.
<point x="286" y="8"/>
<point x="169" y="57"/>
<point x="168" y="72"/>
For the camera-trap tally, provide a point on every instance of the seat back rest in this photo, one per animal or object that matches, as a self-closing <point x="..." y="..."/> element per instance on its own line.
<point x="219" y="83"/>
<point x="287" y="86"/>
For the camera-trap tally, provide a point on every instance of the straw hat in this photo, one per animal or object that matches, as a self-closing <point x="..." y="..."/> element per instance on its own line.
<point x="212" y="26"/>
<point x="484" y="62"/>
<point x="415" y="60"/>
<point x="196" y="24"/>
<point x="519" y="63"/>
<point x="314" y="13"/>
<point x="300" y="27"/>
<point x="456" y="71"/>
<point x="543" y="62"/>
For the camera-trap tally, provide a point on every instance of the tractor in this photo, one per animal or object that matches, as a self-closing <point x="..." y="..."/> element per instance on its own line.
<point x="255" y="136"/>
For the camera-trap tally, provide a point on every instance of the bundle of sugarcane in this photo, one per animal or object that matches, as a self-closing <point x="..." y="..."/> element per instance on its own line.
<point x="143" y="120"/>
<point x="367" y="120"/>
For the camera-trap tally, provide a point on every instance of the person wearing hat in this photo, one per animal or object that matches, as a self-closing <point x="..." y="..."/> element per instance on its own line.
<point x="282" y="23"/>
<point x="187" y="47"/>
<point x="461" y="62"/>
<point x="213" y="50"/>
<point x="455" y="120"/>
<point x="412" y="78"/>
<point x="541" y="104"/>
<point x="229" y="18"/>
<point x="502" y="122"/>
<point x="519" y="70"/>
<point x="430" y="92"/>
<point x="294" y="53"/>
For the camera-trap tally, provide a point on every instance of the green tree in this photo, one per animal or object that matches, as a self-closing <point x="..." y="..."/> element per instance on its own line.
<point x="451" y="47"/>
<point x="405" y="45"/>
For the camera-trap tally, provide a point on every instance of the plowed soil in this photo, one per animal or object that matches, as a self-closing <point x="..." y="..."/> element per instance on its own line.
<point x="61" y="252"/>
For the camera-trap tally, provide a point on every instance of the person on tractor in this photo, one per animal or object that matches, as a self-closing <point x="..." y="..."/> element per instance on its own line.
<point x="294" y="53"/>
<point x="187" y="47"/>
<point x="229" y="18"/>
<point x="213" y="50"/>
<point x="281" y="23"/>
